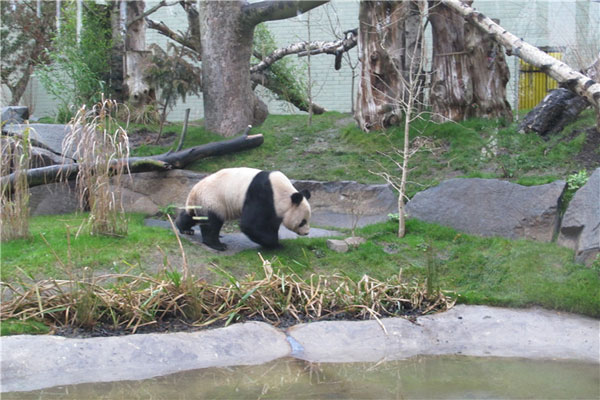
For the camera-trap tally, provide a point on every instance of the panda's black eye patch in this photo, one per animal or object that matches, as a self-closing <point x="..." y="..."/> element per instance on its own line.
<point x="302" y="223"/>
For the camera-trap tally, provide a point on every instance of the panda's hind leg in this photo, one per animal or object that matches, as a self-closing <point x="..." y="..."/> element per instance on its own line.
<point x="210" y="228"/>
<point x="185" y="223"/>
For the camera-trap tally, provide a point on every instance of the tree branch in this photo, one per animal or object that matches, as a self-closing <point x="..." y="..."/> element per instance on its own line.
<point x="161" y="162"/>
<point x="166" y="31"/>
<point x="336" y="47"/>
<point x="272" y="10"/>
<point x="163" y="3"/>
<point x="300" y="102"/>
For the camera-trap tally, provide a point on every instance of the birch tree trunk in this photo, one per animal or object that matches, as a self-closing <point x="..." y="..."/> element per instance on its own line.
<point x="388" y="36"/>
<point x="556" y="69"/>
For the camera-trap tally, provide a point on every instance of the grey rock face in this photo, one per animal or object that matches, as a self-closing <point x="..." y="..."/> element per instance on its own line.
<point x="580" y="228"/>
<point x="15" y="114"/>
<point x="146" y="192"/>
<point x="48" y="136"/>
<point x="347" y="203"/>
<point x="491" y="207"/>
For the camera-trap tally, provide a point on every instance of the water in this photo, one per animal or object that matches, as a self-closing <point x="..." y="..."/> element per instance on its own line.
<point x="420" y="377"/>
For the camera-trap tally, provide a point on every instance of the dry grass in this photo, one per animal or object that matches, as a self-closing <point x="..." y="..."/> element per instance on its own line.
<point x="14" y="202"/>
<point x="128" y="302"/>
<point x="98" y="143"/>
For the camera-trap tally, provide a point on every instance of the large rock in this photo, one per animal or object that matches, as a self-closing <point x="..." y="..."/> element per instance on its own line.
<point x="491" y="207"/>
<point x="346" y="204"/>
<point x="48" y="136"/>
<point x="580" y="228"/>
<point x="14" y="114"/>
<point x="147" y="192"/>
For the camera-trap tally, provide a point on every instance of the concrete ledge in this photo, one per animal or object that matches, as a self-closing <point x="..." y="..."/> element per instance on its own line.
<point x="35" y="362"/>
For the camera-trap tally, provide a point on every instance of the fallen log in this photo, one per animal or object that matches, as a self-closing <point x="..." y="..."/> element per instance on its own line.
<point x="162" y="162"/>
<point x="558" y="108"/>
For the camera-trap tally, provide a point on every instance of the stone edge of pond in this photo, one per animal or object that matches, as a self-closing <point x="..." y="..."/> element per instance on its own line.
<point x="36" y="362"/>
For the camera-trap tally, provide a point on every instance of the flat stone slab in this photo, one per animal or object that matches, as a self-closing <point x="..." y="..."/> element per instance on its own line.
<point x="463" y="330"/>
<point x="34" y="362"/>
<point x="580" y="228"/>
<point x="491" y="207"/>
<point x="237" y="241"/>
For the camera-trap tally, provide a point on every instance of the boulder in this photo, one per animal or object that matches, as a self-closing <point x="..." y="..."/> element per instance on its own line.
<point x="347" y="203"/>
<point x="47" y="136"/>
<point x="580" y="228"/>
<point x="147" y="192"/>
<point x="491" y="207"/>
<point x="14" y="114"/>
<point x="54" y="198"/>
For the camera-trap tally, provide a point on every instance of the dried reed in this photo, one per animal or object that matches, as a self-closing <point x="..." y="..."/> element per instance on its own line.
<point x="101" y="147"/>
<point x="279" y="298"/>
<point x="14" y="202"/>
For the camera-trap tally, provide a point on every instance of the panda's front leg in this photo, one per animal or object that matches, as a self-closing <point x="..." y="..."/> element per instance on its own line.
<point x="267" y="235"/>
<point x="210" y="229"/>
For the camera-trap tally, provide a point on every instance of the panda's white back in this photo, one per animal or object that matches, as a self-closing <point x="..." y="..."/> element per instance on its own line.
<point x="223" y="192"/>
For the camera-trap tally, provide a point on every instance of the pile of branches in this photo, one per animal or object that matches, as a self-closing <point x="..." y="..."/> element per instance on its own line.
<point x="130" y="302"/>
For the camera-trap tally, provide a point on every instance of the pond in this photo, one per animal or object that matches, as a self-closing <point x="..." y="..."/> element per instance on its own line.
<point x="448" y="377"/>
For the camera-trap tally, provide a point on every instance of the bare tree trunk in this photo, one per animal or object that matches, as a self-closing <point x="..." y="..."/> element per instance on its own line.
<point x="117" y="51"/>
<point x="469" y="69"/>
<point x="229" y="101"/>
<point x="137" y="89"/>
<point x="451" y="91"/>
<point x="489" y="74"/>
<point x="386" y="31"/>
<point x="565" y="75"/>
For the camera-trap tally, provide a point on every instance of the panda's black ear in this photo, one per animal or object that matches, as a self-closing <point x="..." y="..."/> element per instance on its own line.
<point x="297" y="198"/>
<point x="305" y="193"/>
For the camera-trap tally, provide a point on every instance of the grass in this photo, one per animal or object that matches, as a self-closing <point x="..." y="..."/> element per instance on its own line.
<point x="53" y="238"/>
<point x="493" y="271"/>
<point x="333" y="148"/>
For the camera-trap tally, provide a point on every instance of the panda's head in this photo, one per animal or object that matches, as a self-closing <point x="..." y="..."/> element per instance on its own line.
<point x="297" y="217"/>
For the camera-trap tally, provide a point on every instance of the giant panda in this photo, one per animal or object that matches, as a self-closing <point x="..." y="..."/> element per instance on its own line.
<point x="261" y="199"/>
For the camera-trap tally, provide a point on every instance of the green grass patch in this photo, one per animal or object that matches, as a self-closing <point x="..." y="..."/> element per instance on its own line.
<point x="68" y="253"/>
<point x="17" y="327"/>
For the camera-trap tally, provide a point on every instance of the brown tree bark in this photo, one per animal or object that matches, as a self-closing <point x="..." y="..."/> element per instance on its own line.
<point x="226" y="32"/>
<point x="451" y="91"/>
<point x="387" y="42"/>
<point x="470" y="73"/>
<point x="489" y="74"/>
<point x="117" y="51"/>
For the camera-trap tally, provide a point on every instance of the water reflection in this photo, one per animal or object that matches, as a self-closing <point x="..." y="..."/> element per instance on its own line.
<point x="420" y="377"/>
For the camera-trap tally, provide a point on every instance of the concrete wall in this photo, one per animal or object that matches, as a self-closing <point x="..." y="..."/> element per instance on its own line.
<point x="573" y="24"/>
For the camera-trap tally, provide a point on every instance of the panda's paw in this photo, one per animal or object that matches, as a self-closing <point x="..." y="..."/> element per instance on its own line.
<point x="217" y="246"/>
<point x="188" y="232"/>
